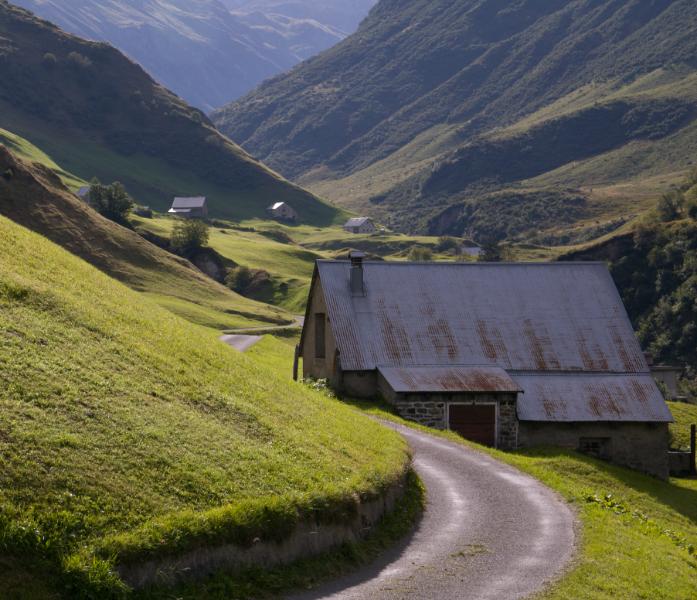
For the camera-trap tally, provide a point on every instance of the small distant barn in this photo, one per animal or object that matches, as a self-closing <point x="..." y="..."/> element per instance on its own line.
<point x="363" y="225"/>
<point x="282" y="211"/>
<point x="195" y="207"/>
<point x="509" y="355"/>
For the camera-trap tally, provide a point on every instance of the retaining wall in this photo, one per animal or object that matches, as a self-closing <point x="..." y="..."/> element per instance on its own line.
<point x="308" y="539"/>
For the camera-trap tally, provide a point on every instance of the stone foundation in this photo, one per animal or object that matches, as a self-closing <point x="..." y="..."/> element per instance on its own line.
<point x="639" y="446"/>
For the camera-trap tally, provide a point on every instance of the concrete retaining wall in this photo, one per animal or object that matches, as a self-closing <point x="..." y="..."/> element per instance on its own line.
<point x="308" y="539"/>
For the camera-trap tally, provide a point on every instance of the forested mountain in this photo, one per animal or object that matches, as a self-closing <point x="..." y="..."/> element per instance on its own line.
<point x="201" y="49"/>
<point x="96" y="113"/>
<point x="444" y="116"/>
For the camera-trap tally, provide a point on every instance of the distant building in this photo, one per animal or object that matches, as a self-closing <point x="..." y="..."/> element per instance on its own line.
<point x="84" y="193"/>
<point x="282" y="212"/>
<point x="360" y="225"/>
<point x="190" y="208"/>
<point x="509" y="355"/>
<point x="471" y="250"/>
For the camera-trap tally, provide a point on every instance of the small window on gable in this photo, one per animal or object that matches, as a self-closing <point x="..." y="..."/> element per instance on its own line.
<point x="320" y="331"/>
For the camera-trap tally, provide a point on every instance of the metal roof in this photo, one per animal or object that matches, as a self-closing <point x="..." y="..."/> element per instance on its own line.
<point x="277" y="205"/>
<point x="578" y="397"/>
<point x="519" y="316"/>
<point x="448" y="379"/>
<point x="357" y="221"/>
<point x="193" y="202"/>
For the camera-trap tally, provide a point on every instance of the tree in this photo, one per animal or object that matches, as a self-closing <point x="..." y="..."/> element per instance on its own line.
<point x="669" y="206"/>
<point x="494" y="251"/>
<point x="188" y="236"/>
<point x="239" y="279"/>
<point x="420" y="254"/>
<point x="110" y="201"/>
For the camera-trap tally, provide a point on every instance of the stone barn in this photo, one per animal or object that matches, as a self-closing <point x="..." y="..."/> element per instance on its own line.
<point x="195" y="207"/>
<point x="282" y="211"/>
<point x="506" y="354"/>
<point x="360" y="225"/>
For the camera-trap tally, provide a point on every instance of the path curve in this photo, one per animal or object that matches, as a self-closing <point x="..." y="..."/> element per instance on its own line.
<point x="240" y="342"/>
<point x="488" y="532"/>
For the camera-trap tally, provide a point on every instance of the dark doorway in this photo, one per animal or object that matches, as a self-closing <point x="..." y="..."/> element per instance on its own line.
<point x="474" y="422"/>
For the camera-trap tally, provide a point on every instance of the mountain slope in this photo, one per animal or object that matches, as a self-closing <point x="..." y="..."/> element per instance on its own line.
<point x="97" y="113"/>
<point x="120" y="422"/>
<point x="202" y="50"/>
<point x="31" y="195"/>
<point x="425" y="103"/>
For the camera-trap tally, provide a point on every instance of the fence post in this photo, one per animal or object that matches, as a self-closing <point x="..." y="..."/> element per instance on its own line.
<point x="296" y="359"/>
<point x="693" y="449"/>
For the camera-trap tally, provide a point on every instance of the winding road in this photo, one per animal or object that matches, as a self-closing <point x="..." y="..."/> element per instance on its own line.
<point x="488" y="532"/>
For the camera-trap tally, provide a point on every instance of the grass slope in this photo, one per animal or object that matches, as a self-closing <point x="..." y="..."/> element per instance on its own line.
<point x="97" y="113"/>
<point x="126" y="430"/>
<point x="32" y="195"/>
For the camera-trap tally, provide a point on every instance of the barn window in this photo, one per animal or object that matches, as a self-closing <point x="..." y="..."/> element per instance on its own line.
<point x="320" y="349"/>
<point x="595" y="447"/>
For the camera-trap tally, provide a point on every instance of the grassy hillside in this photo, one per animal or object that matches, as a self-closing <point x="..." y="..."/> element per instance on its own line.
<point x="126" y="431"/>
<point x="432" y="107"/>
<point x="97" y="113"/>
<point x="32" y="195"/>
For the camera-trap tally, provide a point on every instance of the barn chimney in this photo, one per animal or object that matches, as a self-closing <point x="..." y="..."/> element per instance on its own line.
<point x="357" y="285"/>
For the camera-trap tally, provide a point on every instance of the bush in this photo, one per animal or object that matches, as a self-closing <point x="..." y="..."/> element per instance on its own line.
<point x="49" y="60"/>
<point x="420" y="254"/>
<point x="670" y="206"/>
<point x="239" y="279"/>
<point x="110" y="201"/>
<point x="188" y="236"/>
<point x="445" y="243"/>
<point x="79" y="60"/>
<point x="494" y="251"/>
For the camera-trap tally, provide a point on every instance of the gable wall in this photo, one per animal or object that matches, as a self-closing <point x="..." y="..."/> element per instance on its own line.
<point x="313" y="367"/>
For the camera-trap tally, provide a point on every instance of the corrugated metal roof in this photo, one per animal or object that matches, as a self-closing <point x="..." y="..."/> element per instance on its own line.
<point x="448" y="379"/>
<point x="579" y="397"/>
<point x="276" y="205"/>
<point x="357" y="221"/>
<point x="525" y="317"/>
<point x="192" y="202"/>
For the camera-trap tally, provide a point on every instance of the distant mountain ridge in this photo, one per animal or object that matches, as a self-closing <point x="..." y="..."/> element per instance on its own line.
<point x="96" y="113"/>
<point x="432" y="104"/>
<point x="200" y="49"/>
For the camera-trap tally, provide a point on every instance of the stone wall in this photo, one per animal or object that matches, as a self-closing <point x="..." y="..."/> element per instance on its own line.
<point x="640" y="446"/>
<point x="431" y="410"/>
<point x="308" y="539"/>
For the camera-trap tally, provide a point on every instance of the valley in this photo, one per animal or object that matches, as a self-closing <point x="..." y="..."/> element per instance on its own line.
<point x="247" y="400"/>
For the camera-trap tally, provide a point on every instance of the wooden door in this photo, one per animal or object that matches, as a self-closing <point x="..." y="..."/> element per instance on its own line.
<point x="474" y="422"/>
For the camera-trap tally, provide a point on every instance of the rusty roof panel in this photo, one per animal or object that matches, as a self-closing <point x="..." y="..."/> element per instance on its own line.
<point x="448" y="379"/>
<point x="579" y="397"/>
<point x="526" y="317"/>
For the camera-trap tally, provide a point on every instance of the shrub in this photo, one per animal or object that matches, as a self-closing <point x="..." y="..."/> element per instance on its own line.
<point x="79" y="60"/>
<point x="445" y="243"/>
<point x="420" y="254"/>
<point x="49" y="60"/>
<point x="188" y="236"/>
<point x="494" y="251"/>
<point x="110" y="201"/>
<point x="670" y="206"/>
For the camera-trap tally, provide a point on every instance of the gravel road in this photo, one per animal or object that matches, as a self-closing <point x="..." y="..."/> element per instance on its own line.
<point x="488" y="532"/>
<point x="240" y="342"/>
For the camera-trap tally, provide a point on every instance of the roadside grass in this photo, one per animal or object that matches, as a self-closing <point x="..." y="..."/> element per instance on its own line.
<point x="119" y="422"/>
